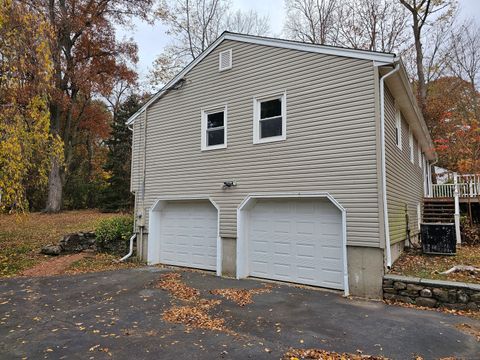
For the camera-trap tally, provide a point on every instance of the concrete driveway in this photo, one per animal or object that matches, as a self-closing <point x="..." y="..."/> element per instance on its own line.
<point x="119" y="315"/>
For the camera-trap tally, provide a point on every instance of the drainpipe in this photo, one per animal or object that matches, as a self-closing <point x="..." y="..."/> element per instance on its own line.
<point x="384" y="171"/>
<point x="130" y="252"/>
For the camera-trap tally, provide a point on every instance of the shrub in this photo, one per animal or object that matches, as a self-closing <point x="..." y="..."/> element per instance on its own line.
<point x="113" y="234"/>
<point x="470" y="233"/>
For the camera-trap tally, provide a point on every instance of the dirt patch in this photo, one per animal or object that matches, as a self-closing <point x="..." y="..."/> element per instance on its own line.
<point x="241" y="297"/>
<point x="319" y="354"/>
<point x="172" y="282"/>
<point x="414" y="263"/>
<point x="55" y="266"/>
<point x="470" y="330"/>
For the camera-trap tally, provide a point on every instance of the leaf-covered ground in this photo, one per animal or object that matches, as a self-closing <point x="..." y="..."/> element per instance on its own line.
<point x="22" y="237"/>
<point x="413" y="263"/>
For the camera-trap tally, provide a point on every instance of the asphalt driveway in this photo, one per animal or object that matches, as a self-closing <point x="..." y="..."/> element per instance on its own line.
<point x="118" y="315"/>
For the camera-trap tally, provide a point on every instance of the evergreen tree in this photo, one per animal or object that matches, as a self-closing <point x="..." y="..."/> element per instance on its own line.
<point x="117" y="196"/>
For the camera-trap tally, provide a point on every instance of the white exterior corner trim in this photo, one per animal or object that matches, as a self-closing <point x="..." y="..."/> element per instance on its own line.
<point x="242" y="253"/>
<point x="377" y="57"/>
<point x="153" y="249"/>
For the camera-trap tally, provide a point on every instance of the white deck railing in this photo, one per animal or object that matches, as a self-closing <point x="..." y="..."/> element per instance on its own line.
<point x="467" y="185"/>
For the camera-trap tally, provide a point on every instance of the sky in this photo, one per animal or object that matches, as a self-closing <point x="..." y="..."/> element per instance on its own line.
<point x="151" y="39"/>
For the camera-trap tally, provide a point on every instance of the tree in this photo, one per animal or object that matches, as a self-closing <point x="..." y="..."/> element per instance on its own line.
<point x="194" y="25"/>
<point x="116" y="195"/>
<point x="86" y="58"/>
<point x="376" y="25"/>
<point x="313" y="21"/>
<point x="421" y="12"/>
<point x="25" y="73"/>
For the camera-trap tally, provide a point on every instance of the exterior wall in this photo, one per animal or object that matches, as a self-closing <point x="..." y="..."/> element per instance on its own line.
<point x="404" y="181"/>
<point x="331" y="135"/>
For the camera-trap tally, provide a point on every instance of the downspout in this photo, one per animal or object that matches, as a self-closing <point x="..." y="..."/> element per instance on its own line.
<point x="130" y="252"/>
<point x="384" y="171"/>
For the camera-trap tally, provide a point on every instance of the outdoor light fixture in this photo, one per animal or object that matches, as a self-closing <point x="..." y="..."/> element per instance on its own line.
<point x="229" y="184"/>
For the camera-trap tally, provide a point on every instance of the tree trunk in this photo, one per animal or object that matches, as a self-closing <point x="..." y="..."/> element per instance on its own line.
<point x="55" y="187"/>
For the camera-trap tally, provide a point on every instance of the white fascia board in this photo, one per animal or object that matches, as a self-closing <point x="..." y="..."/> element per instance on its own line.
<point x="377" y="57"/>
<point x="315" y="48"/>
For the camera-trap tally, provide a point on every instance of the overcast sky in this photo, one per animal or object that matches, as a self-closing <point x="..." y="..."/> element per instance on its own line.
<point x="152" y="38"/>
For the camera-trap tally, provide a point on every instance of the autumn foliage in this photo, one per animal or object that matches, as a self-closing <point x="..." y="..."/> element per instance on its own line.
<point x="452" y="116"/>
<point x="26" y="143"/>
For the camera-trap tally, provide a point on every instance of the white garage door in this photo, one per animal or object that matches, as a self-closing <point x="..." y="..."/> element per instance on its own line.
<point x="188" y="234"/>
<point x="297" y="241"/>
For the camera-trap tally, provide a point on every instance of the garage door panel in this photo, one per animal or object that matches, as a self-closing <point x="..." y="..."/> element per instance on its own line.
<point x="188" y="234"/>
<point x="297" y="241"/>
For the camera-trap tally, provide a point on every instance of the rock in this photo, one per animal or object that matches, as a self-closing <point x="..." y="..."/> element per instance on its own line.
<point x="426" y="293"/>
<point x="388" y="296"/>
<point x="389" y="290"/>
<point x="475" y="297"/>
<point x="51" y="250"/>
<point x="440" y="294"/>
<point x="414" y="287"/>
<point x="399" y="285"/>
<point x="452" y="296"/>
<point x="404" y="299"/>
<point x="472" y="306"/>
<point x="78" y="242"/>
<point x="462" y="297"/>
<point x="425" y="301"/>
<point x="455" y="306"/>
<point x="388" y="282"/>
<point x="408" y="293"/>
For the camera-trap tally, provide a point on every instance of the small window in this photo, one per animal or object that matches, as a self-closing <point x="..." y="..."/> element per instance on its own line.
<point x="410" y="144"/>
<point x="398" y="128"/>
<point x="225" y="60"/>
<point x="270" y="119"/>
<point x="214" y="129"/>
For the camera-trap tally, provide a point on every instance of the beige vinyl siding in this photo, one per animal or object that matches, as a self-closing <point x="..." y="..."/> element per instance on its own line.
<point x="404" y="179"/>
<point x="330" y="145"/>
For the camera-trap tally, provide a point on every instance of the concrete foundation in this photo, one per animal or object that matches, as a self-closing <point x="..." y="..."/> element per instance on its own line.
<point x="365" y="271"/>
<point x="397" y="250"/>
<point x="229" y="257"/>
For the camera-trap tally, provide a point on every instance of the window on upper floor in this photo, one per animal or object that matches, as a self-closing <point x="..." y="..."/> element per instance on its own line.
<point x="398" y="128"/>
<point x="214" y="128"/>
<point x="270" y="119"/>
<point x="410" y="144"/>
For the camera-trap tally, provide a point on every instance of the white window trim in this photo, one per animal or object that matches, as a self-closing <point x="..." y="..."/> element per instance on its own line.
<point x="419" y="154"/>
<point x="212" y="110"/>
<point x="398" y="127"/>
<point x="256" y="118"/>
<point x="220" y="60"/>
<point x="410" y="145"/>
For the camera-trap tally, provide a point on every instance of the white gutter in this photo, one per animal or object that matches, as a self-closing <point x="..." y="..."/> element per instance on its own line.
<point x="130" y="252"/>
<point x="384" y="170"/>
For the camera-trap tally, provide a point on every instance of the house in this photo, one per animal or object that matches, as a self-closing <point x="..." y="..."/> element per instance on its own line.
<point x="282" y="160"/>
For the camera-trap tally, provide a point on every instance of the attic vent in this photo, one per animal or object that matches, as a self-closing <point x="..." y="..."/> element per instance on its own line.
<point x="225" y="60"/>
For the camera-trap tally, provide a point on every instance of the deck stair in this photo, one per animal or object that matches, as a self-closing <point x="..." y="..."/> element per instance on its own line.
<point x="438" y="210"/>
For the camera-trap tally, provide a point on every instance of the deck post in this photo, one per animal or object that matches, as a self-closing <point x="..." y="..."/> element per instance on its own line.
<point x="457" y="209"/>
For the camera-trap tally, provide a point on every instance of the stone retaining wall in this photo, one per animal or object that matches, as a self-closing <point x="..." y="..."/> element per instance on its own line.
<point x="431" y="293"/>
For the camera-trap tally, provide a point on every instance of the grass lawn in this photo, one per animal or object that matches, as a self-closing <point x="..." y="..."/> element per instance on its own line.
<point x="413" y="263"/>
<point x="22" y="237"/>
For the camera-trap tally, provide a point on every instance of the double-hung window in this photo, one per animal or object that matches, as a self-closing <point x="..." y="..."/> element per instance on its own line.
<point x="214" y="128"/>
<point x="270" y="119"/>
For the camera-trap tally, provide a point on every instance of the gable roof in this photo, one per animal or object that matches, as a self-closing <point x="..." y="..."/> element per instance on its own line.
<point x="379" y="58"/>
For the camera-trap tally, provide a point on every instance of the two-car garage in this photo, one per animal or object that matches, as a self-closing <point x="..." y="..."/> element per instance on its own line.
<point x="299" y="239"/>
